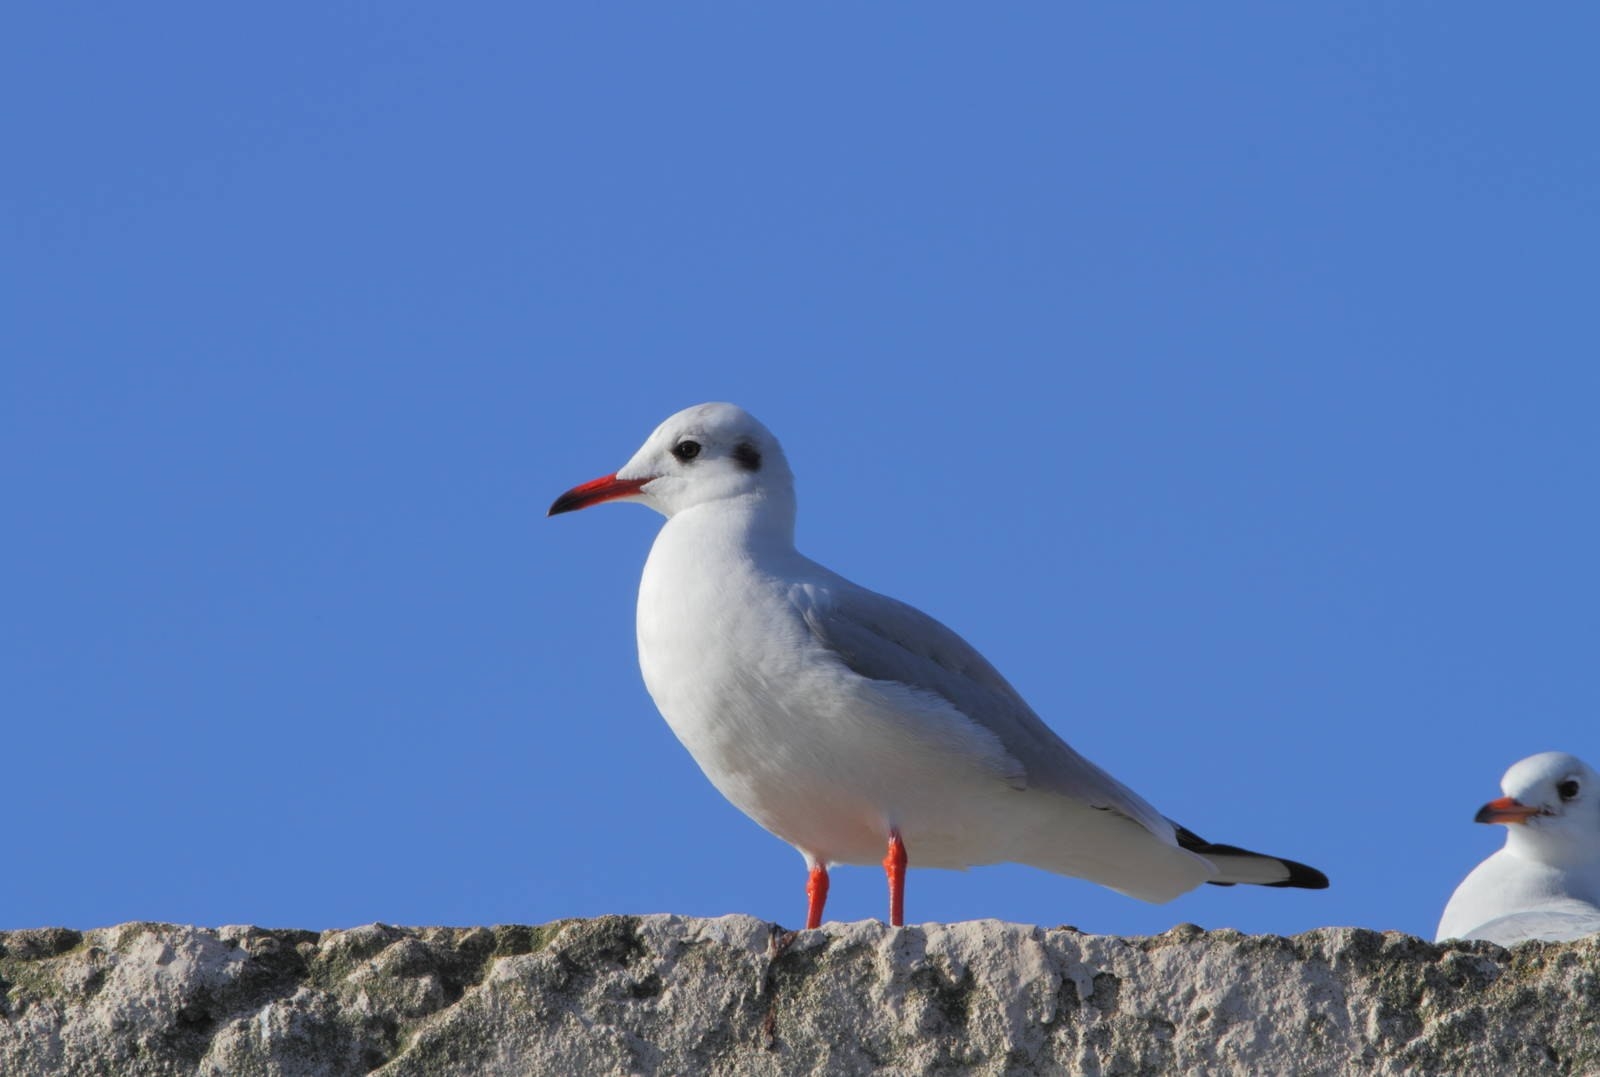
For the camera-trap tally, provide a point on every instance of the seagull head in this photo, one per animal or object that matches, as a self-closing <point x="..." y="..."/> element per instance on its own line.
<point x="704" y="454"/>
<point x="1551" y="805"/>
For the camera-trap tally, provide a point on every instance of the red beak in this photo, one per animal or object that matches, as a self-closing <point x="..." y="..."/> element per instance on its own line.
<point x="605" y="488"/>
<point x="1505" y="810"/>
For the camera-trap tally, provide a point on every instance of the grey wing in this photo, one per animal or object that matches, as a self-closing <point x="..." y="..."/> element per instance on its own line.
<point x="886" y="640"/>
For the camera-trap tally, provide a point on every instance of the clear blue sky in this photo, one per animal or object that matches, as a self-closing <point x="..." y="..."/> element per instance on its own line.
<point x="1228" y="375"/>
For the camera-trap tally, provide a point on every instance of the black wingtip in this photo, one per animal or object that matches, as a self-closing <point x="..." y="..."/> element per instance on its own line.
<point x="1301" y="876"/>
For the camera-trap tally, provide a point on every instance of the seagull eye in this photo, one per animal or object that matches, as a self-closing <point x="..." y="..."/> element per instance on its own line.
<point x="686" y="450"/>
<point x="1567" y="789"/>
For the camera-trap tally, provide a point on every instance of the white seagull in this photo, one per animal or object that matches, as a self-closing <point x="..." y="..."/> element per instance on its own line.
<point x="1545" y="882"/>
<point x="847" y="723"/>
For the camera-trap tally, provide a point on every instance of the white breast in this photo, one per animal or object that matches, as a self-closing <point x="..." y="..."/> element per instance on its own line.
<point x="824" y="759"/>
<point x="1505" y="890"/>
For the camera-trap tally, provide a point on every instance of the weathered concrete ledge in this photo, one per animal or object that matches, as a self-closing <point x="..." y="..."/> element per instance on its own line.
<point x="670" y="994"/>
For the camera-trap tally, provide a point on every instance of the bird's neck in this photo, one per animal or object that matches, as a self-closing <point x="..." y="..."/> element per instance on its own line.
<point x="1553" y="850"/>
<point x="753" y="521"/>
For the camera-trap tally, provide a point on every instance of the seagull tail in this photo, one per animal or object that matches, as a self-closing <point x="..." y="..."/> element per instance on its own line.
<point x="1236" y="865"/>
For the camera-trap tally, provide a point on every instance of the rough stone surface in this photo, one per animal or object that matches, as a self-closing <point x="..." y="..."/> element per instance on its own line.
<point x="669" y="994"/>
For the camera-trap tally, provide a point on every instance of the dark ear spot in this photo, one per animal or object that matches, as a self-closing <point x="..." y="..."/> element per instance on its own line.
<point x="747" y="456"/>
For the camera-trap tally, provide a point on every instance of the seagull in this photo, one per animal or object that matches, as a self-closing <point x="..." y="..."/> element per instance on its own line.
<point x="1544" y="883"/>
<point x="849" y="724"/>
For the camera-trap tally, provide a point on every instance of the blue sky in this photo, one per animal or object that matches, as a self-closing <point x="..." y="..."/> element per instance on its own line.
<point x="1228" y="376"/>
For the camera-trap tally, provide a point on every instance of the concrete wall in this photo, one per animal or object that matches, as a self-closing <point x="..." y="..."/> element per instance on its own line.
<point x="666" y="994"/>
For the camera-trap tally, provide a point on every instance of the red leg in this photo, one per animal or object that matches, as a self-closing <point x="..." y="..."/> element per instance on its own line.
<point x="816" y="894"/>
<point x="894" y="864"/>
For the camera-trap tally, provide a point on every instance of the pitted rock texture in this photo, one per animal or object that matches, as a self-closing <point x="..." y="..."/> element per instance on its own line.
<point x="674" y="995"/>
